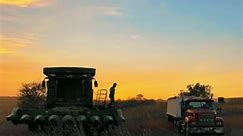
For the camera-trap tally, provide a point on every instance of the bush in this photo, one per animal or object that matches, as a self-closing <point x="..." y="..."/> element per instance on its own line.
<point x="199" y="90"/>
<point x="32" y="95"/>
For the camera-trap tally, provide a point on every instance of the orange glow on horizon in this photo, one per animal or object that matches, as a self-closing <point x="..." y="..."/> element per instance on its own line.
<point x="130" y="83"/>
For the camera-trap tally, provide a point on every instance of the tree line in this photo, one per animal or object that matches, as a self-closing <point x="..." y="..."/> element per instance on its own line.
<point x="33" y="95"/>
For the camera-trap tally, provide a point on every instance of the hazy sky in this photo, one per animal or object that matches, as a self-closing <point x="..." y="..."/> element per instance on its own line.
<point x="153" y="47"/>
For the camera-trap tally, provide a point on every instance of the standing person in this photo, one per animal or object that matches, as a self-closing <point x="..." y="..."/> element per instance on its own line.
<point x="112" y="94"/>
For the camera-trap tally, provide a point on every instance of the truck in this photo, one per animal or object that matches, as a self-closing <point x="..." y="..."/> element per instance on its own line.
<point x="194" y="115"/>
<point x="70" y="109"/>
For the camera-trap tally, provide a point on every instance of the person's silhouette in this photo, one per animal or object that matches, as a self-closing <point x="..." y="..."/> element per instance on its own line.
<point x="112" y="94"/>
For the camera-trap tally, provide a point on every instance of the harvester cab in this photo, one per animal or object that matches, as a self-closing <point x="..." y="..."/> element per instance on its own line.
<point x="69" y="86"/>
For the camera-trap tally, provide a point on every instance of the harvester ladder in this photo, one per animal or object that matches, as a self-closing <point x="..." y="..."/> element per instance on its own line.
<point x="101" y="97"/>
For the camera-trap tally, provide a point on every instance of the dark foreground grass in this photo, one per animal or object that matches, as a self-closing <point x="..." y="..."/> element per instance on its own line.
<point x="143" y="118"/>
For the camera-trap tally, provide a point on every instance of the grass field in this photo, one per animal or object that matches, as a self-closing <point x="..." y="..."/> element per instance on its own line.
<point x="144" y="118"/>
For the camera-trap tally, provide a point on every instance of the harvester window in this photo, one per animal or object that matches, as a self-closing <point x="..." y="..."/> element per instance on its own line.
<point x="71" y="90"/>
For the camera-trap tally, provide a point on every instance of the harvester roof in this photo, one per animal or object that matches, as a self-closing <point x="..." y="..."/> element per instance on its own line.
<point x="52" y="71"/>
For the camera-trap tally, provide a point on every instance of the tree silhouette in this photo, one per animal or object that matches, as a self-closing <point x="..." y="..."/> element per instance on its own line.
<point x="199" y="90"/>
<point x="32" y="95"/>
<point x="139" y="97"/>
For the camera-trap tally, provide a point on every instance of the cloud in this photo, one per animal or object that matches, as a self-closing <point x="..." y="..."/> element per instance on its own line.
<point x="27" y="3"/>
<point x="136" y="36"/>
<point x="43" y="3"/>
<point x="10" y="45"/>
<point x="8" y="18"/>
<point x="4" y="50"/>
<point x="111" y="11"/>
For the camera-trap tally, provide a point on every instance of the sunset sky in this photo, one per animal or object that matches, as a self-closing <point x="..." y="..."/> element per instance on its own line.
<point x="153" y="47"/>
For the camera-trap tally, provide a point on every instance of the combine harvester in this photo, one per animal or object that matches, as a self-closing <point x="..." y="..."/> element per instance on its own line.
<point x="69" y="107"/>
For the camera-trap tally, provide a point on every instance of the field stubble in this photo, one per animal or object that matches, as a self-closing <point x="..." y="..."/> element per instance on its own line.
<point x="143" y="118"/>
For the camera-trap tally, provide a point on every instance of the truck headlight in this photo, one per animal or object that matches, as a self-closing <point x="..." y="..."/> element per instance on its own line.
<point x="193" y="123"/>
<point x="219" y="123"/>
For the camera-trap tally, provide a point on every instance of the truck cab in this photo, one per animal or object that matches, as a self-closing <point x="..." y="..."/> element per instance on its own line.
<point x="195" y="115"/>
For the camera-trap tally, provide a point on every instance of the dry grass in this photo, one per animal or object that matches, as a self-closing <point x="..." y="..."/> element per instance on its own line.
<point x="143" y="118"/>
<point x="233" y="115"/>
<point x="148" y="120"/>
<point x="6" y="105"/>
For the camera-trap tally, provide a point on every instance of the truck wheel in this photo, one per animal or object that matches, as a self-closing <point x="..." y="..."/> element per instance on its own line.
<point x="170" y="118"/>
<point x="186" y="133"/>
<point x="180" y="128"/>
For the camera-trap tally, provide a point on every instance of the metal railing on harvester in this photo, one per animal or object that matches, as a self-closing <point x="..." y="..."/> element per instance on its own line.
<point x="101" y="97"/>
